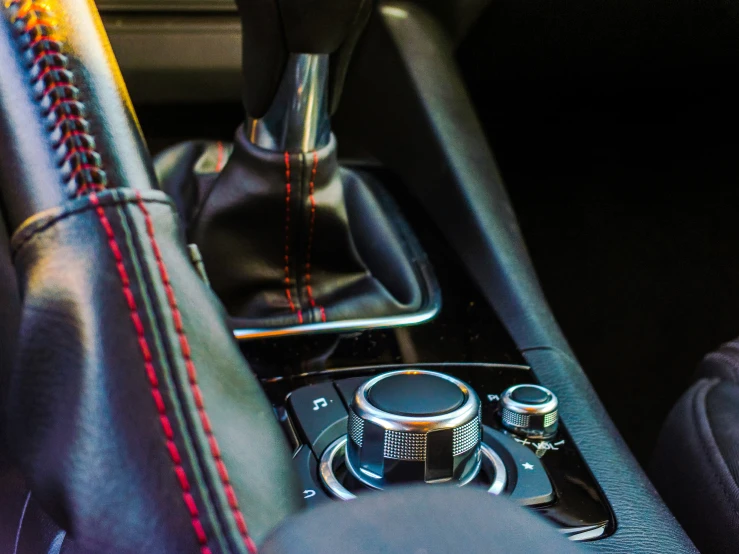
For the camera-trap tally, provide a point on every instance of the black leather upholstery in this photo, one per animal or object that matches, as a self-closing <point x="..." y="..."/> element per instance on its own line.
<point x="24" y="527"/>
<point x="421" y="519"/>
<point x="121" y="346"/>
<point x="120" y="352"/>
<point x="30" y="163"/>
<point x="293" y="239"/>
<point x="9" y="315"/>
<point x="696" y="461"/>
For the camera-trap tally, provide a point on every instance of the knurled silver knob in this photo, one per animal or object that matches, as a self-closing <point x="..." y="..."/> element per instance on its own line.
<point x="413" y="425"/>
<point x="529" y="411"/>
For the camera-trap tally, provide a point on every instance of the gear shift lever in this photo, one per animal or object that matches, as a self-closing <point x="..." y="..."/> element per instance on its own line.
<point x="298" y="120"/>
<point x="275" y="29"/>
<point x="291" y="241"/>
<point x="288" y="46"/>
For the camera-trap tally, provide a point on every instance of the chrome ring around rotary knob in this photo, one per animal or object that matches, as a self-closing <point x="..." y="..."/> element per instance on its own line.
<point x="413" y="425"/>
<point x="529" y="410"/>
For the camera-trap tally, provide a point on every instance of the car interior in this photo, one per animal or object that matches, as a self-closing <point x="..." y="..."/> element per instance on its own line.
<point x="259" y="257"/>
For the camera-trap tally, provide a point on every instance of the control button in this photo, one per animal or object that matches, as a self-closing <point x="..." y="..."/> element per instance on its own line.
<point x="347" y="388"/>
<point x="318" y="414"/>
<point x="416" y="395"/>
<point x="529" y="411"/>
<point x="533" y="487"/>
<point x="528" y="394"/>
<point x="413" y="425"/>
<point x="307" y="466"/>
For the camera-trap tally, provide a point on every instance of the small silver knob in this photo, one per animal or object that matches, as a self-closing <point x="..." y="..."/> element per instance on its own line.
<point x="530" y="411"/>
<point x="413" y="425"/>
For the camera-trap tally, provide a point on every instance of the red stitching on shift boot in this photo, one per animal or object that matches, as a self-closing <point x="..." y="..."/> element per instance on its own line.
<point x="219" y="159"/>
<point x="151" y="376"/>
<point x="288" y="188"/>
<point x="193" y="380"/>
<point x="311" y="229"/>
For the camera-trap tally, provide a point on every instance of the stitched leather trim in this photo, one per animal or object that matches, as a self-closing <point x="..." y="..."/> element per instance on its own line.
<point x="311" y="232"/>
<point x="161" y="407"/>
<point x="53" y="85"/>
<point x="288" y="192"/>
<point x="193" y="383"/>
<point x="42" y="221"/>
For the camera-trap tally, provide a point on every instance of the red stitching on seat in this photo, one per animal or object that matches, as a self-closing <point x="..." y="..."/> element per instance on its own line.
<point x="151" y="376"/>
<point x="35" y="23"/>
<point x="74" y="150"/>
<point x="194" y="388"/>
<point x="58" y="102"/>
<point x="48" y="69"/>
<point x="42" y="54"/>
<point x="288" y="189"/>
<point x="82" y="167"/>
<point x="311" y="229"/>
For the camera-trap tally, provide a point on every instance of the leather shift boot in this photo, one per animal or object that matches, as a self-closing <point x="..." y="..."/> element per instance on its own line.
<point x="293" y="239"/>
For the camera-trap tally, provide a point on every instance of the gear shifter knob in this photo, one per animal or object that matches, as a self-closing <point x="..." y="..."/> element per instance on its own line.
<point x="414" y="425"/>
<point x="274" y="29"/>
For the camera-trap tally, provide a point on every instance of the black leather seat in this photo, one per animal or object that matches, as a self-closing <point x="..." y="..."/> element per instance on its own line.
<point x="696" y="462"/>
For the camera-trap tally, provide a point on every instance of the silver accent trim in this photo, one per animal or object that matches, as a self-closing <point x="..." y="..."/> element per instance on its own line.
<point x="355" y="427"/>
<point x="412" y="446"/>
<point x="426" y="313"/>
<point x="466" y="437"/>
<point x="501" y="475"/>
<point x="336" y="448"/>
<point x="392" y="422"/>
<point x="298" y="119"/>
<point x="353" y="371"/>
<point x="551" y="419"/>
<point x="409" y="447"/>
<point x="508" y="403"/>
<point x="326" y="470"/>
<point x="588" y="533"/>
<point x="512" y="418"/>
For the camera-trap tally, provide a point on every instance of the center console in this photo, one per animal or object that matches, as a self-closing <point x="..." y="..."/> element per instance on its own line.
<point x="361" y="430"/>
<point x="450" y="400"/>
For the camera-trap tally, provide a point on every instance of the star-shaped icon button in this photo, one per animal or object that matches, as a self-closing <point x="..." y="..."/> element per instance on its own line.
<point x="528" y="466"/>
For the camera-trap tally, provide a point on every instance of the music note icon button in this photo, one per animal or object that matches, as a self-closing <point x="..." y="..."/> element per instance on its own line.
<point x="314" y="410"/>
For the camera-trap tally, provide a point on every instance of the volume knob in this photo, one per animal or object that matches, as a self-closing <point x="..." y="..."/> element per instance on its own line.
<point x="530" y="411"/>
<point x="413" y="425"/>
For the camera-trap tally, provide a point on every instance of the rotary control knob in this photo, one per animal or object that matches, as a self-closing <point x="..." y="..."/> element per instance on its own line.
<point x="529" y="411"/>
<point x="413" y="425"/>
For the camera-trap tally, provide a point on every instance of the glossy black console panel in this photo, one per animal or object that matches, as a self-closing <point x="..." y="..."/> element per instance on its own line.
<point x="313" y="409"/>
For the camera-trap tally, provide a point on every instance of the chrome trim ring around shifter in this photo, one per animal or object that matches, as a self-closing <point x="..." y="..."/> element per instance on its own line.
<point x="426" y="313"/>
<point x="335" y="449"/>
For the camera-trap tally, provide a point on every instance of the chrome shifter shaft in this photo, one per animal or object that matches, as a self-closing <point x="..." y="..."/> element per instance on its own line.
<point x="298" y="119"/>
